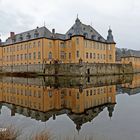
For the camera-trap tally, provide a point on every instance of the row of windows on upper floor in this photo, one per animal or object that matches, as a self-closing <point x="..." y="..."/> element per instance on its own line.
<point x="96" y="91"/>
<point x="90" y="92"/>
<point x="25" y="102"/>
<point x="98" y="56"/>
<point x="21" y="47"/>
<point x="30" y="45"/>
<point x="131" y="59"/>
<point x="38" y="94"/>
<point x="24" y="92"/>
<point x="88" y="44"/>
<point x="97" y="45"/>
<point x="63" y="55"/>
<point x="37" y="105"/>
<point x="22" y="57"/>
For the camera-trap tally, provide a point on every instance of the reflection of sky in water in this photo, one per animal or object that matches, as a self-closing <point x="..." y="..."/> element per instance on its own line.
<point x="124" y="125"/>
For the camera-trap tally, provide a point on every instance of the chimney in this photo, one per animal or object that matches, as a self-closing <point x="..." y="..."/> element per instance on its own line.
<point x="53" y="31"/>
<point x="0" y="41"/>
<point x="12" y="34"/>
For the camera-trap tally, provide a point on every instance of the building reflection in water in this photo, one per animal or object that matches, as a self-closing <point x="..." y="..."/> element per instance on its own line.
<point x="132" y="87"/>
<point x="38" y="99"/>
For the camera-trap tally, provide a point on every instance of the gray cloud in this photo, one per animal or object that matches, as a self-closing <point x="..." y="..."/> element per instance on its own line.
<point x="123" y="16"/>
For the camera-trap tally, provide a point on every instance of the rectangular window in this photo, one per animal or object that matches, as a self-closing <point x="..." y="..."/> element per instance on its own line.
<point x="38" y="43"/>
<point x="25" y="46"/>
<point x="110" y="57"/>
<point x="34" y="55"/>
<point x="98" y="56"/>
<point x="34" y="44"/>
<point x="17" y="48"/>
<point x="21" y="56"/>
<point x="69" y="55"/>
<point x="13" y="48"/>
<point x="62" y="55"/>
<point x="77" y="41"/>
<point x="77" y="54"/>
<point x="85" y="43"/>
<point x="87" y="55"/>
<point x="62" y="44"/>
<point x="17" y="57"/>
<point x="21" y="47"/>
<point x="50" y="44"/>
<point x="25" y="56"/>
<point x="94" y="55"/>
<point x="90" y="55"/>
<point x="104" y="56"/>
<point x="30" y="45"/>
<point x="39" y="56"/>
<point x="30" y="56"/>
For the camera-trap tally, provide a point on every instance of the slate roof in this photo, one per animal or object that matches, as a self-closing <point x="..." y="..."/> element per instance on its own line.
<point x="77" y="29"/>
<point x="85" y="30"/>
<point x="60" y="36"/>
<point x="131" y="91"/>
<point x="131" y="53"/>
<point x="29" y="35"/>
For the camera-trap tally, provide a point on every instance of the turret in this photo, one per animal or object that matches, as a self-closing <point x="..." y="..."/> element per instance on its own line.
<point x="110" y="38"/>
<point x="110" y="109"/>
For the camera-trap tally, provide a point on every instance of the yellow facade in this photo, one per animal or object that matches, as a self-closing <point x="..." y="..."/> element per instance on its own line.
<point x="135" y="61"/>
<point x="134" y="84"/>
<point x="46" y="99"/>
<point x="43" y="49"/>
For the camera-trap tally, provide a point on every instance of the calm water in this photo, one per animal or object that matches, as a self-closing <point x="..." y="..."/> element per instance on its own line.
<point x="94" y="108"/>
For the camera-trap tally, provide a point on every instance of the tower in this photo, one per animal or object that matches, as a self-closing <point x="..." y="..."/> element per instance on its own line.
<point x="110" y="38"/>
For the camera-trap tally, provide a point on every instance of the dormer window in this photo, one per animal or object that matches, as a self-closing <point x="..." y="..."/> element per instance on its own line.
<point x="21" y="38"/>
<point x="28" y="36"/>
<point x="85" y="34"/>
<point x="70" y="34"/>
<point x="14" y="39"/>
<point x="93" y="37"/>
<point x="99" y="38"/>
<point x="36" y="34"/>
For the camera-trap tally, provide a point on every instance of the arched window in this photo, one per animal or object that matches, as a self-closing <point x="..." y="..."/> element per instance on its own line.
<point x="50" y="55"/>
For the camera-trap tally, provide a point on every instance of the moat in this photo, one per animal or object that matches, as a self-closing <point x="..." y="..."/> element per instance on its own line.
<point x="91" y="108"/>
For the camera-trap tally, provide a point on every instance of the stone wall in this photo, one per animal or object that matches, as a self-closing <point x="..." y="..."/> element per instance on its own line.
<point x="72" y="69"/>
<point x="92" y="81"/>
<point x="24" y="68"/>
<point x="86" y="69"/>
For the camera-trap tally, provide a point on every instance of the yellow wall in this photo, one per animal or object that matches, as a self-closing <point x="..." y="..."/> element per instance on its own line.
<point x="69" y="51"/>
<point x="135" y="61"/>
<point x="46" y="99"/>
<point x="0" y="56"/>
<point x="134" y="84"/>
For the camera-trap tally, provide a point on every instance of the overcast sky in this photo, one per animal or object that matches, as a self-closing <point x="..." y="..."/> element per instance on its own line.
<point x="122" y="15"/>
